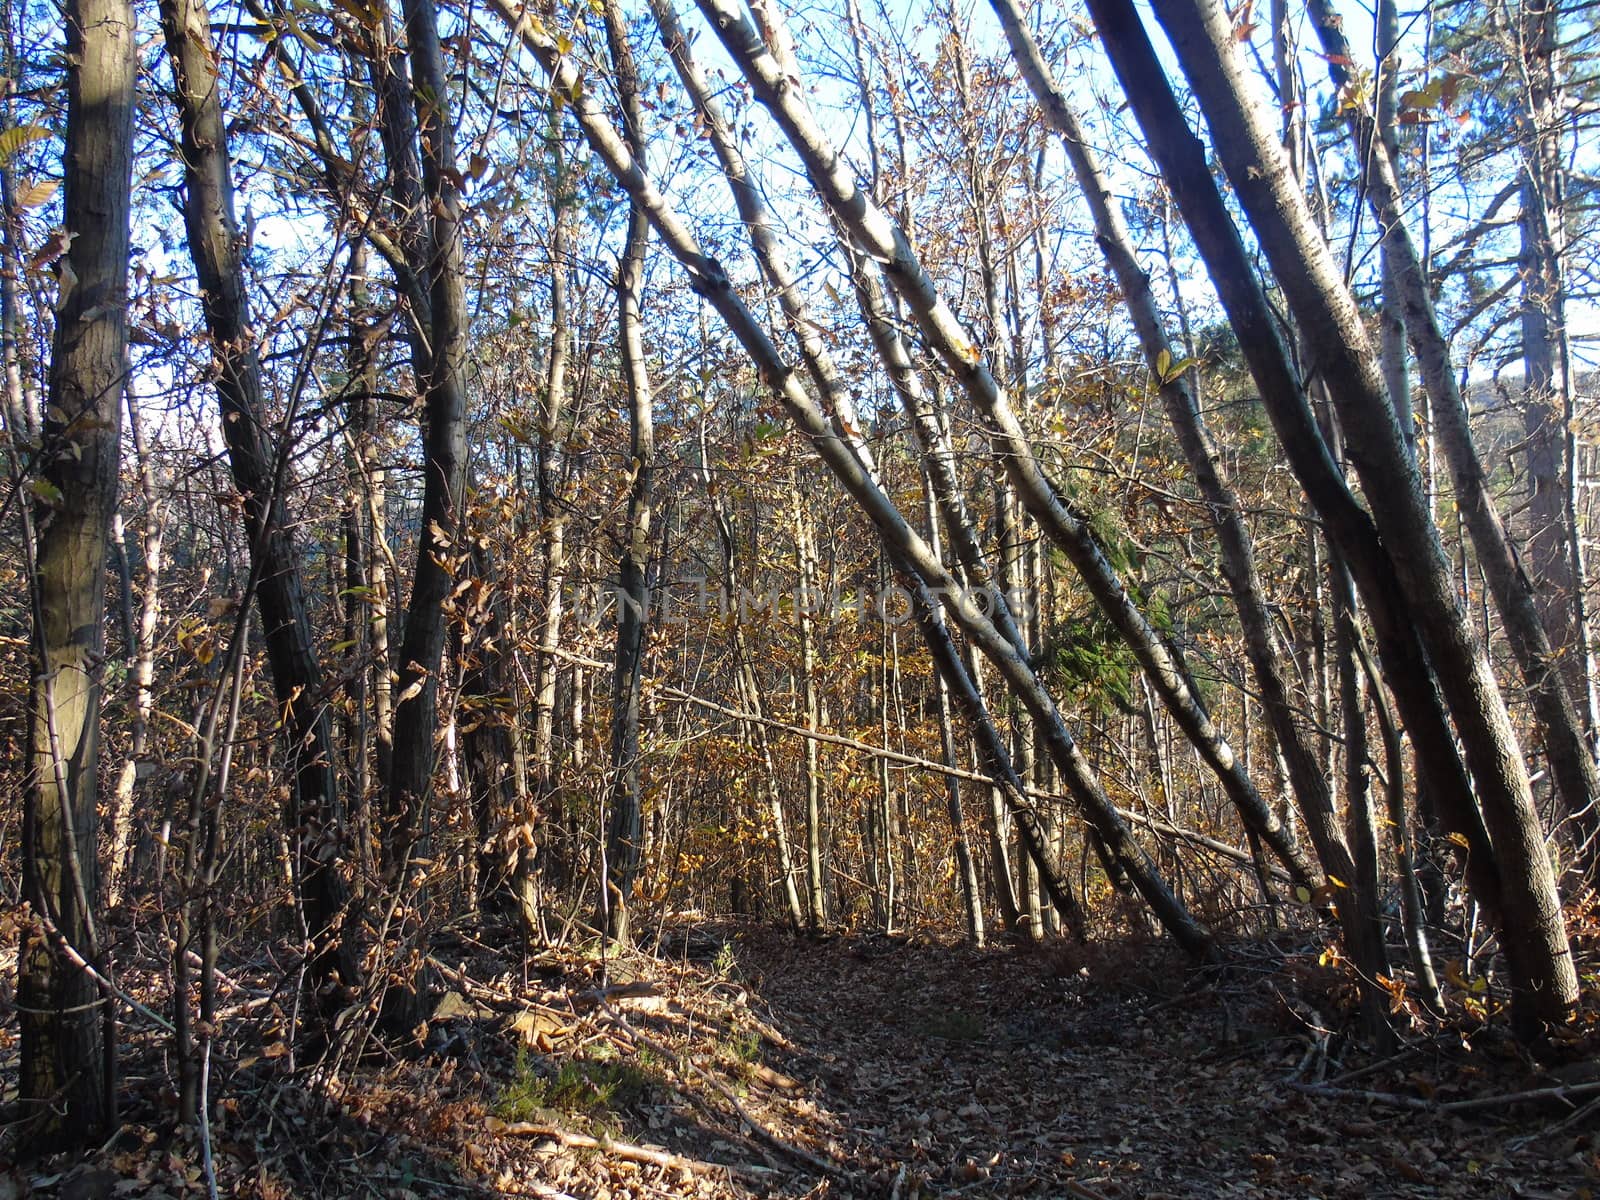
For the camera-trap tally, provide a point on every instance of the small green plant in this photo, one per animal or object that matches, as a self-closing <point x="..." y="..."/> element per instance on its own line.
<point x="746" y="1046"/>
<point x="724" y="963"/>
<point x="579" y="1087"/>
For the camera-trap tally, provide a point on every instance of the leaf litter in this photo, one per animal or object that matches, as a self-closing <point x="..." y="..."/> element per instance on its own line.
<point x="739" y="1061"/>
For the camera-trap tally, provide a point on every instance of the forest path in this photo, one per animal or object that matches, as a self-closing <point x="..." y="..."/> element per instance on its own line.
<point x="941" y="1071"/>
<point x="740" y="1062"/>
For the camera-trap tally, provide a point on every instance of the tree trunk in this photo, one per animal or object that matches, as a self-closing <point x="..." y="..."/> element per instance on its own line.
<point x="68" y="1047"/>
<point x="1544" y="981"/>
<point x="966" y="868"/>
<point x="1554" y="544"/>
<point x="546" y="806"/>
<point x="124" y="799"/>
<point x="843" y="458"/>
<point x="874" y="232"/>
<point x="444" y="444"/>
<point x="1573" y="767"/>
<point x="1182" y="160"/>
<point x="624" y="828"/>
<point x="806" y="561"/>
<point x="1306" y="777"/>
<point x="314" y="814"/>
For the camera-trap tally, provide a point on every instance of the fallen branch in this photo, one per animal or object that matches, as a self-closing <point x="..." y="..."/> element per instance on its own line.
<point x="616" y="1149"/>
<point x="798" y="1153"/>
<point x="588" y="1001"/>
<point x="1576" y="1117"/>
<point x="1391" y="1099"/>
<point x="1563" y="1092"/>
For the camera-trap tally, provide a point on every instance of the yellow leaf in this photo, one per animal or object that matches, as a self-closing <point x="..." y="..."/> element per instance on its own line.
<point x="18" y="137"/>
<point x="35" y="193"/>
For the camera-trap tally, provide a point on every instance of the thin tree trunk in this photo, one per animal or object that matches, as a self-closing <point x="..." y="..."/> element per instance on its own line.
<point x="314" y="815"/>
<point x="806" y="560"/>
<point x="1572" y="765"/>
<point x="1554" y="544"/>
<point x="546" y="800"/>
<point x="1309" y="782"/>
<point x="750" y="691"/>
<point x="624" y="828"/>
<point x="1363" y="922"/>
<point x="1184" y="166"/>
<point x="124" y="798"/>
<point x="843" y="457"/>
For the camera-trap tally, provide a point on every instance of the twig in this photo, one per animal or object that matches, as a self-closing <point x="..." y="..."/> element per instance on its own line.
<point x="1566" y="1122"/>
<point x="1373" y="1068"/>
<point x="1563" y="1092"/>
<point x="583" y="1002"/>
<point x="208" y="1163"/>
<point x="71" y="954"/>
<point x="922" y="764"/>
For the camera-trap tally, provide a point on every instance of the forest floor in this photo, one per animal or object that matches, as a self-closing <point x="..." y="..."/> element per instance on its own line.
<point x="738" y="1061"/>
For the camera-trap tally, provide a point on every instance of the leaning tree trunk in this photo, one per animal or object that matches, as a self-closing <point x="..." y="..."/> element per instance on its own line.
<point x="1576" y="777"/>
<point x="843" y="459"/>
<point x="873" y="231"/>
<point x="1545" y="985"/>
<point x="68" y="1047"/>
<point x="1185" y="168"/>
<point x="934" y="442"/>
<point x="1310" y="785"/>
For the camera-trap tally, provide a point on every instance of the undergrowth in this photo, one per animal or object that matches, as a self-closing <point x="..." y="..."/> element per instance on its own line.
<point x="593" y="1087"/>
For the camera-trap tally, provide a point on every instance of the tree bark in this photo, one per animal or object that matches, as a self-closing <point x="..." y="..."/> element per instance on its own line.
<point x="1572" y="765"/>
<point x="443" y="382"/>
<point x="624" y="829"/>
<point x="1183" y="163"/>
<point x="68" y="1047"/>
<point x="873" y="231"/>
<point x="314" y="814"/>
<point x="1306" y="777"/>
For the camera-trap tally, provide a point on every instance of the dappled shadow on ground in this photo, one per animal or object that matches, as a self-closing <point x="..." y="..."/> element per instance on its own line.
<point x="1052" y="1074"/>
<point x="739" y="1061"/>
